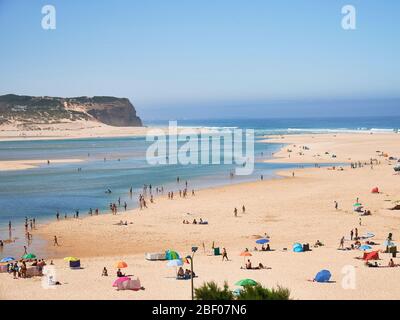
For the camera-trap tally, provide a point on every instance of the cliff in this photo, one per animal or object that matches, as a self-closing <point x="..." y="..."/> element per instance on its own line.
<point x="29" y="111"/>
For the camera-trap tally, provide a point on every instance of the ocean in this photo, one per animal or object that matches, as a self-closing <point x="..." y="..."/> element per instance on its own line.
<point x="42" y="191"/>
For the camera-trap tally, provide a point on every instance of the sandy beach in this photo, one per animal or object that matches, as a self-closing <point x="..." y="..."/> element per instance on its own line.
<point x="29" y="164"/>
<point x="68" y="130"/>
<point x="298" y="207"/>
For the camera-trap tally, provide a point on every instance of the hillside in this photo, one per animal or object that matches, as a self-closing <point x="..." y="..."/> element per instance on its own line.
<point x="34" y="113"/>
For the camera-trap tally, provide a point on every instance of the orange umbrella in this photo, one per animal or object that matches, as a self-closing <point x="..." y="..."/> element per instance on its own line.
<point x="121" y="264"/>
<point x="245" y="254"/>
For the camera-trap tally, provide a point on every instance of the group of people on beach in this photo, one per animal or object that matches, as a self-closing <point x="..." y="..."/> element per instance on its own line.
<point x="19" y="268"/>
<point x="235" y="211"/>
<point x="182" y="193"/>
<point x="185" y="274"/>
<point x="201" y="221"/>
<point x="249" y="266"/>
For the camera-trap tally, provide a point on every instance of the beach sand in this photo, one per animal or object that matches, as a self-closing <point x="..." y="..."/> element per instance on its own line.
<point x="68" y="130"/>
<point x="9" y="165"/>
<point x="290" y="209"/>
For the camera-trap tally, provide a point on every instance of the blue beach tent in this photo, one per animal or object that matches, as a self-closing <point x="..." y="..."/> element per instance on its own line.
<point x="323" y="276"/>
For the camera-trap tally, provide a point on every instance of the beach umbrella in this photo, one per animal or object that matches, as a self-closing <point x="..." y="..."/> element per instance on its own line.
<point x="175" y="263"/>
<point x="246" y="282"/>
<point x="7" y="259"/>
<point x="171" y="255"/>
<point x="120" y="280"/>
<point x="29" y="256"/>
<point x="262" y="241"/>
<point x="389" y="243"/>
<point x="357" y="204"/>
<point x="71" y="259"/>
<point x="121" y="265"/>
<point x="365" y="247"/>
<point x="323" y="276"/>
<point x="245" y="254"/>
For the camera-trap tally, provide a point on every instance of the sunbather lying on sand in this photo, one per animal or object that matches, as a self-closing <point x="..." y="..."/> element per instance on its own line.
<point x="250" y="267"/>
<point x="202" y="222"/>
<point x="318" y="244"/>
<point x="372" y="265"/>
<point x="267" y="248"/>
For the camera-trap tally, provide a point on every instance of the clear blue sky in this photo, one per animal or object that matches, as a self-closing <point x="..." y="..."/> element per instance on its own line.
<point x="183" y="59"/>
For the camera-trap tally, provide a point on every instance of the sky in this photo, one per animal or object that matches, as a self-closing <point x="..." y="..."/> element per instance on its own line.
<point x="198" y="59"/>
